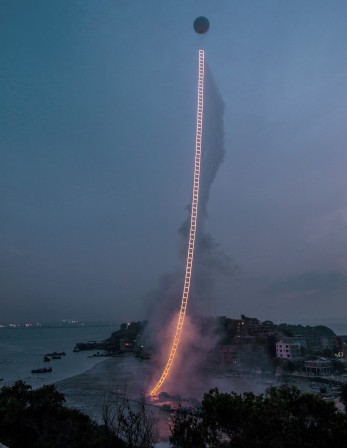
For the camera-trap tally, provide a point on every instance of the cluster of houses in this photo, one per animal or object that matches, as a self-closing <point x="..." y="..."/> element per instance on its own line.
<point x="130" y="338"/>
<point x="248" y="339"/>
<point x="248" y="343"/>
<point x="291" y="349"/>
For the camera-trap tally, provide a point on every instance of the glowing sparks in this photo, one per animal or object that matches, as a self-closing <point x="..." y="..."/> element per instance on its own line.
<point x="192" y="230"/>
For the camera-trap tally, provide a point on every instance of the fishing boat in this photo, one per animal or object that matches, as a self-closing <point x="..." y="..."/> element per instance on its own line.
<point x="42" y="370"/>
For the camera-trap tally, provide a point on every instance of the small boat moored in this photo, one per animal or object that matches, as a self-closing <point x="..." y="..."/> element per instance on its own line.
<point x="42" y="370"/>
<point x="55" y="354"/>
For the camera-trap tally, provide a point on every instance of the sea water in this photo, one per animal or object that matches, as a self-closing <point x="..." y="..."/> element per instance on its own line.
<point x="23" y="349"/>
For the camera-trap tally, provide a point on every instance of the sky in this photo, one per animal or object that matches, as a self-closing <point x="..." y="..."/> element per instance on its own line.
<point x="97" y="129"/>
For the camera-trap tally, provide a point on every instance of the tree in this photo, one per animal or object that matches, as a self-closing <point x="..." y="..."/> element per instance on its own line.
<point x="39" y="418"/>
<point x="130" y="421"/>
<point x="285" y="365"/>
<point x="186" y="431"/>
<point x="327" y="353"/>
<point x="281" y="418"/>
<point x="343" y="396"/>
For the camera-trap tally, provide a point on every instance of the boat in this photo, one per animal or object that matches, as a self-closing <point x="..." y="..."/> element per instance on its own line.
<point x="46" y="359"/>
<point x="42" y="370"/>
<point x="55" y="354"/>
<point x="56" y="357"/>
<point x="97" y="355"/>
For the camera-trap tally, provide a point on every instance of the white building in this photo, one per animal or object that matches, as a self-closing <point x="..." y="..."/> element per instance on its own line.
<point x="286" y="350"/>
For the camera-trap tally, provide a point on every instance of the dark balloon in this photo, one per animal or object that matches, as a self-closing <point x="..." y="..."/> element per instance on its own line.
<point x="201" y="25"/>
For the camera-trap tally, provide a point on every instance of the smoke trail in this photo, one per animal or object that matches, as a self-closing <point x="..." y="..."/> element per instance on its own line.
<point x="213" y="140"/>
<point x="210" y="261"/>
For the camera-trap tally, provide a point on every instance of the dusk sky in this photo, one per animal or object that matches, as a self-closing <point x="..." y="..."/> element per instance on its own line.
<point x="97" y="129"/>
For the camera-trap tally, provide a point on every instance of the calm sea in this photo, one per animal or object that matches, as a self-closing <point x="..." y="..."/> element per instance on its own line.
<point x="22" y="349"/>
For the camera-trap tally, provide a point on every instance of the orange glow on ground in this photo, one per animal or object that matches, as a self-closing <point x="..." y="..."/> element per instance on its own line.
<point x="192" y="231"/>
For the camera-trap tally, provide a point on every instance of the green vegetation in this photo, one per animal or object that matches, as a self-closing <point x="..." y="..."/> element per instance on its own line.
<point x="130" y="421"/>
<point x="39" y="419"/>
<point x="343" y="396"/>
<point x="318" y="330"/>
<point x="281" y="418"/>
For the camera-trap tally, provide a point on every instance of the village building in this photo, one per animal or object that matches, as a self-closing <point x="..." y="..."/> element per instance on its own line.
<point x="319" y="366"/>
<point x="286" y="350"/>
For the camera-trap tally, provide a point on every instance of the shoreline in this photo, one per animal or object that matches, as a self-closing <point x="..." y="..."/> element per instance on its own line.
<point x="126" y="375"/>
<point x="23" y="350"/>
<point x="42" y="379"/>
<point x="109" y="375"/>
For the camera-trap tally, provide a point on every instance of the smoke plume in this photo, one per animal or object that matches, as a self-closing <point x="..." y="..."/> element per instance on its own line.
<point x="210" y="261"/>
